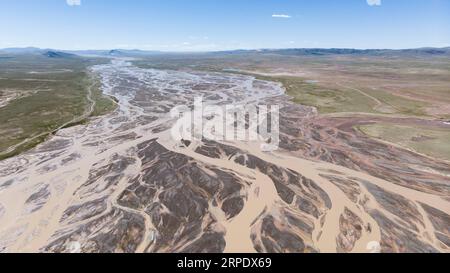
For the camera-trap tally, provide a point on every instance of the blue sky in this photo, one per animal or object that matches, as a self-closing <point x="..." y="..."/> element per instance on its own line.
<point x="198" y="25"/>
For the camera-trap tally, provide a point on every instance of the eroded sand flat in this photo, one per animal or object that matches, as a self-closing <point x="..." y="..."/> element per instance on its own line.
<point x="122" y="184"/>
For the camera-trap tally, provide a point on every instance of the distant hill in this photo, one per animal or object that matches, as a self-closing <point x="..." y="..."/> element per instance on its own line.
<point x="131" y="52"/>
<point x="115" y="52"/>
<point x="345" y="51"/>
<point x="25" y="50"/>
<point x="58" y="54"/>
<point x="50" y="53"/>
<point x="53" y="53"/>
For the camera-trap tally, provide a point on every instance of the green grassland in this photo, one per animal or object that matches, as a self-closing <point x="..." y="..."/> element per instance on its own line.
<point x="326" y="99"/>
<point x="433" y="142"/>
<point x="53" y="93"/>
<point x="103" y="103"/>
<point x="329" y="99"/>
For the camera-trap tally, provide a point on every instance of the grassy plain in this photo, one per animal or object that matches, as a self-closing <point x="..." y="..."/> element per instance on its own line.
<point x="430" y="141"/>
<point x="45" y="94"/>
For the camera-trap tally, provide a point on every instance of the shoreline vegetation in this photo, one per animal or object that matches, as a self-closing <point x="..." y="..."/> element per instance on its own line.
<point x="56" y="94"/>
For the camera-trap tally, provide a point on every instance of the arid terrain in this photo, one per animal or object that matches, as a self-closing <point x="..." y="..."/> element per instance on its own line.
<point x="349" y="176"/>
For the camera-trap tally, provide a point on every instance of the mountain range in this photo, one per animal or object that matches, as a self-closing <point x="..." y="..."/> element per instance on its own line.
<point x="53" y="53"/>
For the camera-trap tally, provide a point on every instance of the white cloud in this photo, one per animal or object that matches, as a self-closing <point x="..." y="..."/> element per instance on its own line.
<point x="73" y="2"/>
<point x="374" y="2"/>
<point x="281" y="16"/>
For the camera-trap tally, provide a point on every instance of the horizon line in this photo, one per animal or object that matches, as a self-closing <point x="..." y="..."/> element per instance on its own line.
<point x="223" y="50"/>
